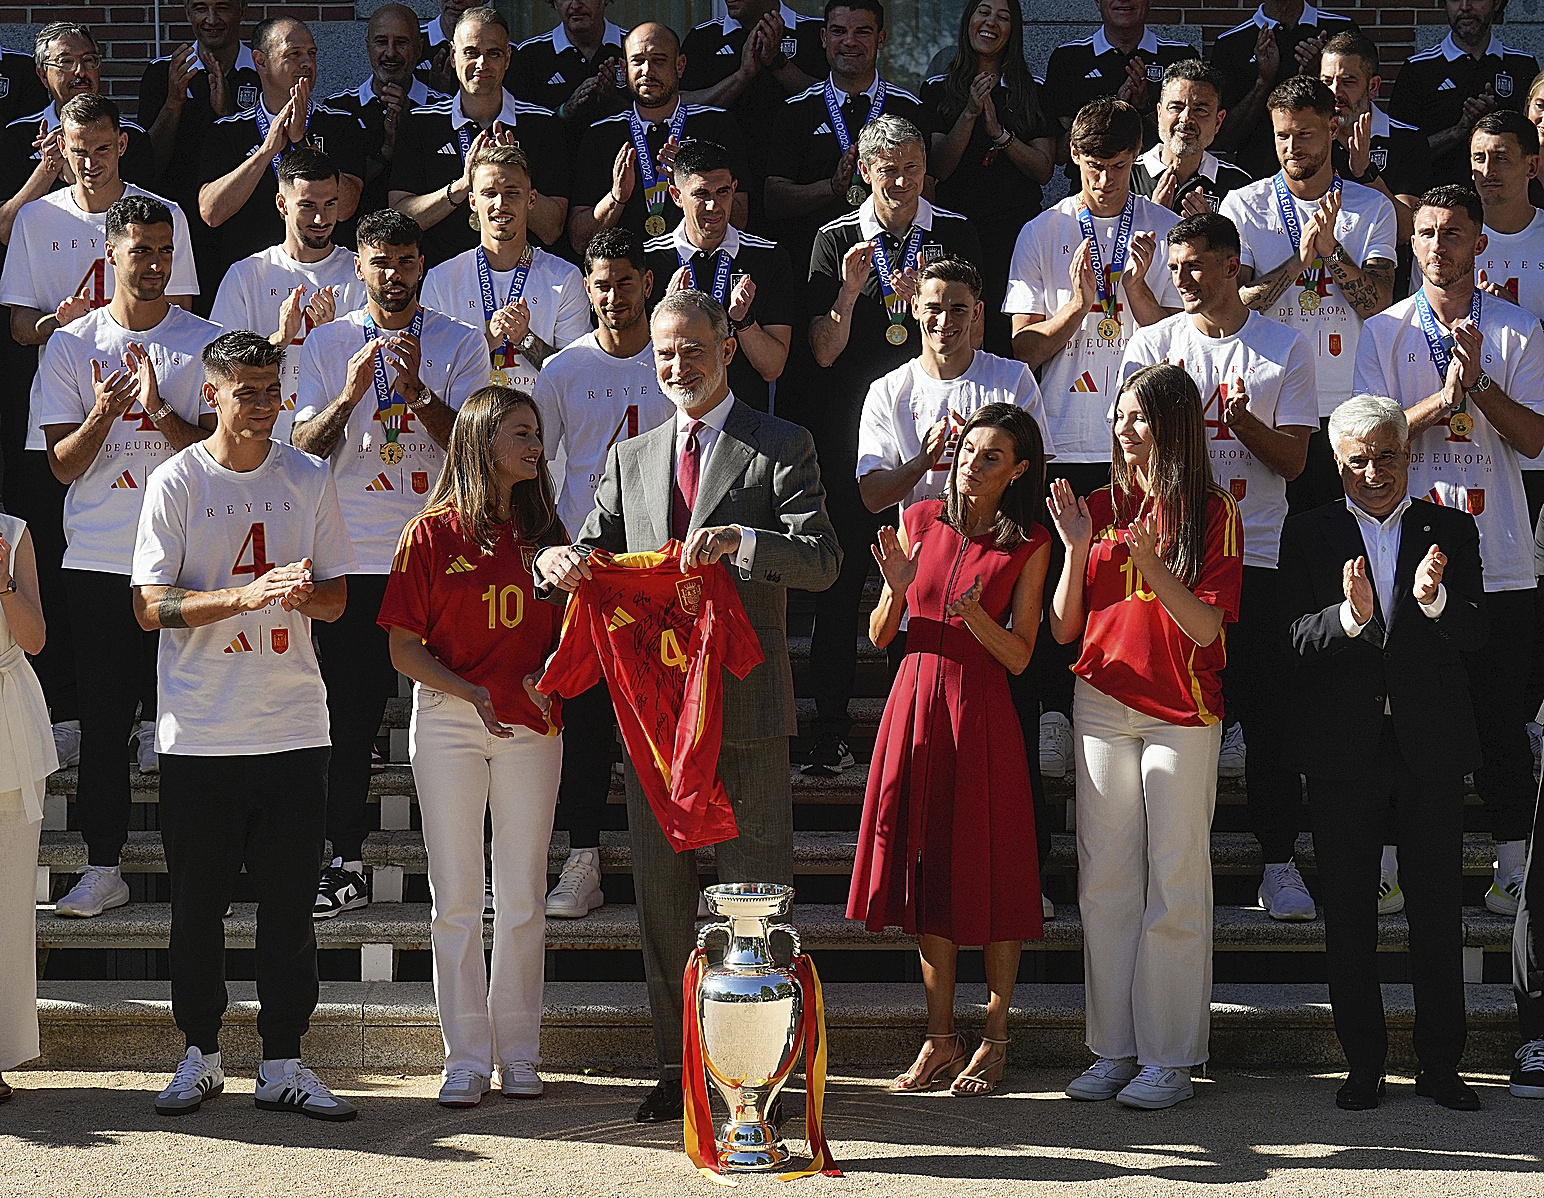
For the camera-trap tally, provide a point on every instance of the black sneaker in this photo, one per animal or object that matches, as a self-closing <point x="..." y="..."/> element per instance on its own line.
<point x="830" y="757"/>
<point x="1528" y="1077"/>
<point x="340" y="890"/>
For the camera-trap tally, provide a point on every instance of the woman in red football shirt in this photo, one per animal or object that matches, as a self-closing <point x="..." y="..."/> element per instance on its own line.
<point x="466" y="626"/>
<point x="1153" y="571"/>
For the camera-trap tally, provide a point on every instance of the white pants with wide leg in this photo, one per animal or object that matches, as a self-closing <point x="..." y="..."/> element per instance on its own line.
<point x="461" y="771"/>
<point x="18" y="931"/>
<point x="1145" y="793"/>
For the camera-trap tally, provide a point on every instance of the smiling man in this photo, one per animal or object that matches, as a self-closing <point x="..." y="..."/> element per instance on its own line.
<point x="1179" y="172"/>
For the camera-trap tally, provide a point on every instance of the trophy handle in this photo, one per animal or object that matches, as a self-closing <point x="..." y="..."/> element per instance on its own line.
<point x="703" y="934"/>
<point x="793" y="935"/>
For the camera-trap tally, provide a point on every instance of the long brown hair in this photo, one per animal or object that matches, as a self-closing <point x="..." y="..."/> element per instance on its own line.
<point x="1180" y="468"/>
<point x="1021" y="505"/>
<point x="467" y="484"/>
<point x="1022" y="112"/>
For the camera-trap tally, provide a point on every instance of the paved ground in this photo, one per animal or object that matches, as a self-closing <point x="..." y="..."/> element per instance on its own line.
<point x="95" y="1133"/>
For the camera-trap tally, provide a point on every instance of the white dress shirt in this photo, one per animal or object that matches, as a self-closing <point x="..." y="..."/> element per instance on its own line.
<point x="707" y="437"/>
<point x="1381" y="540"/>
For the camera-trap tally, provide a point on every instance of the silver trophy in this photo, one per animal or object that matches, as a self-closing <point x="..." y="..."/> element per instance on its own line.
<point x="750" y="1010"/>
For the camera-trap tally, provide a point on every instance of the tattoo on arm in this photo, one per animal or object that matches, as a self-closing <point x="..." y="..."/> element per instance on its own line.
<point x="1365" y="294"/>
<point x="1264" y="291"/>
<point x="168" y="608"/>
<point x="320" y="435"/>
<point x="537" y="352"/>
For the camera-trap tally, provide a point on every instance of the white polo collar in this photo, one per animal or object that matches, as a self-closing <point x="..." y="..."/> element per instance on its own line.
<point x="664" y="120"/>
<point x="1452" y="53"/>
<point x="1148" y="44"/>
<point x="869" y="226"/>
<point x="870" y="91"/>
<point x="1310" y="17"/>
<point x="509" y="114"/>
<point x="1153" y="161"/>
<point x="244" y="62"/>
<point x="731" y="241"/>
<point x="790" y="19"/>
<point x="418" y="93"/>
<point x="434" y="31"/>
<point x="612" y="36"/>
<point x="1380" y="122"/>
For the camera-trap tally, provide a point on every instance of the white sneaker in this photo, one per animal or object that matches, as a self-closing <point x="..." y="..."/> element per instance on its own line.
<point x="519" y="1079"/>
<point x="144" y="747"/>
<point x="1103" y="1079"/>
<point x="1047" y="908"/>
<point x="578" y="890"/>
<point x="463" y="1087"/>
<point x="296" y="1088"/>
<point x="1505" y="893"/>
<point x="1055" y="745"/>
<point x="198" y="1077"/>
<point x="67" y="743"/>
<point x="1391" y="899"/>
<point x="1284" y="895"/>
<point x="101" y="888"/>
<point x="1156" y="1088"/>
<point x="1230" y="760"/>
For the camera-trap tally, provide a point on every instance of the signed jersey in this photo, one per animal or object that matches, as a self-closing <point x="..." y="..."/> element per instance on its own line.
<point x="659" y="637"/>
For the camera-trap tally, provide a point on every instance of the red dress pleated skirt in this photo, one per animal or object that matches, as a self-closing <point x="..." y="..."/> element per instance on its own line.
<point x="947" y="845"/>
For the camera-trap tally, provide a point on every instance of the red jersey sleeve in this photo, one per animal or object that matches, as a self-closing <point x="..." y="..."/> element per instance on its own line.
<point x="731" y="626"/>
<point x="406" y="603"/>
<point x="575" y="667"/>
<point x="1222" y="573"/>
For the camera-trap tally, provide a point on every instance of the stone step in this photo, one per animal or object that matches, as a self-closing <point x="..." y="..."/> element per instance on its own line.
<point x="605" y="1025"/>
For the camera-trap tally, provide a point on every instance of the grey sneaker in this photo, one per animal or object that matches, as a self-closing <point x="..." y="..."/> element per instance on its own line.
<point x="1156" y="1088"/>
<point x="101" y="888"/>
<point x="519" y="1079"/>
<point x="1284" y="895"/>
<point x="1103" y="1079"/>
<point x="198" y="1077"/>
<point x="1056" y="752"/>
<point x="463" y="1087"/>
<point x="296" y="1088"/>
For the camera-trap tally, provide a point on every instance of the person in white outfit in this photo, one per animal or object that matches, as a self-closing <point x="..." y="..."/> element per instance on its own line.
<point x="465" y="624"/>
<point x="26" y="759"/>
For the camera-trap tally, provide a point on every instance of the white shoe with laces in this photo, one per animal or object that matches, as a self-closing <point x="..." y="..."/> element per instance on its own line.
<point x="198" y="1077"/>
<point x="1528" y="1075"/>
<point x="464" y="1087"/>
<point x="67" y="743"/>
<point x="1231" y="757"/>
<point x="1056" y="753"/>
<point x="1156" y="1088"/>
<point x="296" y="1088"/>
<point x="519" y="1079"/>
<point x="578" y="890"/>
<point x="1104" y="1079"/>
<point x="144" y="748"/>
<point x="101" y="888"/>
<point x="1505" y="892"/>
<point x="1285" y="896"/>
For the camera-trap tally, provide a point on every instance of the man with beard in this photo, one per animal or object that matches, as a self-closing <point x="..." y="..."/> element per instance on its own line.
<point x="301" y="283"/>
<point x="378" y="393"/>
<point x="1178" y="172"/>
<point x="1468" y="368"/>
<point x="118" y="392"/>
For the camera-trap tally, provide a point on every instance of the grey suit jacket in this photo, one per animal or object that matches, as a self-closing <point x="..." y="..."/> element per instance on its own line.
<point x="762" y="474"/>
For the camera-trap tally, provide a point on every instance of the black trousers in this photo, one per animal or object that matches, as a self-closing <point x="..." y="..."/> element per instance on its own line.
<point x="589" y="748"/>
<point x="1498" y="682"/>
<point x="1349" y="818"/>
<point x="1050" y="671"/>
<point x="1319" y="483"/>
<point x="38" y="498"/>
<point x="834" y="645"/>
<point x="355" y="656"/>
<point x="265" y="812"/>
<point x="1528" y="940"/>
<point x="115" y="665"/>
<point x="1254" y="687"/>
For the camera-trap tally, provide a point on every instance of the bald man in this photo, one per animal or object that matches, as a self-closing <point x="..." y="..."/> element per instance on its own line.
<point x="622" y="173"/>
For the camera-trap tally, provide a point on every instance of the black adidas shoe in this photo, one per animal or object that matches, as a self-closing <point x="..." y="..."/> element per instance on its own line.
<point x="830" y="757"/>
<point x="340" y="890"/>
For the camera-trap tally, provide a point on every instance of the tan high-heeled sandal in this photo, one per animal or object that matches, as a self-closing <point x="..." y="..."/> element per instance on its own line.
<point x="989" y="1077"/>
<point x="913" y="1082"/>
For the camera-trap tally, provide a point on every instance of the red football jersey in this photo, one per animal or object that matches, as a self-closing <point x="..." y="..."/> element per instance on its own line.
<point x="659" y="637"/>
<point x="1132" y="648"/>
<point x="476" y="613"/>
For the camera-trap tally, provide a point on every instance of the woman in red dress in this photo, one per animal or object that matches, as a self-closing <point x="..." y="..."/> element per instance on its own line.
<point x="947" y="847"/>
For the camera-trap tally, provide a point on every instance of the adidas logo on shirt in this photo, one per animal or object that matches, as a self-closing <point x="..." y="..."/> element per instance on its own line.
<point x="449" y="147"/>
<point x="124" y="482"/>
<point x="1446" y="85"/>
<point x="1096" y="73"/>
<point x="460" y="565"/>
<point x="240" y="645"/>
<point x="1085" y="383"/>
<point x="722" y="50"/>
<point x="557" y="77"/>
<point x="380" y="483"/>
<point x="620" y="619"/>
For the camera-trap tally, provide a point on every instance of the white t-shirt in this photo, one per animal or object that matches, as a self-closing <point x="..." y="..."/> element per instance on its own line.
<point x="1079" y="384"/>
<point x="254" y="288"/>
<point x="379" y="497"/>
<point x="101" y="508"/>
<point x="1275" y="366"/>
<point x="554" y="293"/>
<point x="902" y="406"/>
<point x="589" y="401"/>
<point x="57" y="250"/>
<point x="1516" y="262"/>
<point x="1479" y="473"/>
<point x="248" y="684"/>
<point x="1366" y="228"/>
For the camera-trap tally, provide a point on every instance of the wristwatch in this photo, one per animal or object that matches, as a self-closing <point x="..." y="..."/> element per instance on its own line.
<point x="10" y="590"/>
<point x="1371" y="176"/>
<point x="1482" y="383"/>
<point x="527" y="341"/>
<point x="1339" y="254"/>
<point x="160" y="413"/>
<point x="422" y="400"/>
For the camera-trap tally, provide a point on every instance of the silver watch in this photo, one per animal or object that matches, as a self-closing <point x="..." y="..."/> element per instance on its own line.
<point x="1480" y="384"/>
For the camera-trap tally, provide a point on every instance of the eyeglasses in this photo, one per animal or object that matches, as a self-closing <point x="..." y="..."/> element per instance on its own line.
<point x="89" y="62"/>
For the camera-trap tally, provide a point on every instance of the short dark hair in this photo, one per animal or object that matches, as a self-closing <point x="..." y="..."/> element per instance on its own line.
<point x="135" y="210"/>
<point x="1194" y="70"/>
<point x="1106" y="127"/>
<point x="612" y="243"/>
<point x="1300" y="92"/>
<point x="1216" y="230"/>
<point x="952" y="270"/>
<point x="1497" y="123"/>
<point x="388" y="227"/>
<point x="1455" y="196"/>
<point x="701" y="158"/>
<point x="873" y="6"/>
<point x="89" y="108"/>
<point x="1353" y="43"/>
<point x="303" y="164"/>
<point x="483" y="14"/>
<point x="262" y="32"/>
<point x="230" y="351"/>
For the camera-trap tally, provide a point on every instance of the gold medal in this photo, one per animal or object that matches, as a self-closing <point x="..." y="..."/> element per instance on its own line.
<point x="1109" y="328"/>
<point x="856" y="195"/>
<point x="391" y="453"/>
<point x="1308" y="300"/>
<point x="655" y="225"/>
<point x="1461" y="424"/>
<point x="499" y="378"/>
<point x="896" y="334"/>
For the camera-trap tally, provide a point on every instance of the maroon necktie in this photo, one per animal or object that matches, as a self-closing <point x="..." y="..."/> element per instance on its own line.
<point x="688" y="471"/>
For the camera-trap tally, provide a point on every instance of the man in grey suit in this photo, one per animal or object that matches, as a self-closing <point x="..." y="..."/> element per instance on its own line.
<point x="730" y="483"/>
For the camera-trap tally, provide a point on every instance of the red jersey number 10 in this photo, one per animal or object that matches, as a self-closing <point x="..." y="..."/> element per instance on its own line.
<point x="257" y="545"/>
<point x="499" y="606"/>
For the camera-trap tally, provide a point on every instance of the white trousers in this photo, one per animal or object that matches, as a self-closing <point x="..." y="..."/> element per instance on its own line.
<point x="1145" y="790"/>
<point x="462" y="771"/>
<point x="18" y="931"/>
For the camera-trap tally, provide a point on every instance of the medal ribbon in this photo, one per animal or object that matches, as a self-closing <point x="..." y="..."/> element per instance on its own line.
<point x="1434" y="342"/>
<point x="834" y="110"/>
<point x="721" y="268"/>
<point x="464" y="138"/>
<point x="265" y="122"/>
<point x="895" y="306"/>
<point x="1287" y="209"/>
<point x="655" y="189"/>
<point x="389" y="406"/>
<point x="1106" y="284"/>
<point x="505" y="354"/>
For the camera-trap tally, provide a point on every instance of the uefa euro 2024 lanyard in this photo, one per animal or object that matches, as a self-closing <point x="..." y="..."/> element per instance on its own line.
<point x="855" y="192"/>
<point x="265" y="122"/>
<point x="895" y="306"/>
<point x="504" y="356"/>
<point x="1308" y="298"/>
<point x="655" y="188"/>
<point x="1461" y="422"/>
<point x="1110" y="325"/>
<point x="721" y="267"/>
<point x="390" y="407"/>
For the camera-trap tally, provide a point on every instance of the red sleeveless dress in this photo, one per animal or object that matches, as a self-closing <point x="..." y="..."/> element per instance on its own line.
<point x="947" y="845"/>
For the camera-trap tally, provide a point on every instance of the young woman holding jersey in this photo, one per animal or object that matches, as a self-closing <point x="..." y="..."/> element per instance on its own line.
<point x="1153" y="572"/>
<point x="466" y="626"/>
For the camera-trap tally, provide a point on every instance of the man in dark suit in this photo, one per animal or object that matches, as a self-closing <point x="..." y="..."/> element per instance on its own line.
<point x="1385" y="595"/>
<point x="761" y="506"/>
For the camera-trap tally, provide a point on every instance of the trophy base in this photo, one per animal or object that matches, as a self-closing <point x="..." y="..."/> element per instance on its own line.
<point x="751" y="1148"/>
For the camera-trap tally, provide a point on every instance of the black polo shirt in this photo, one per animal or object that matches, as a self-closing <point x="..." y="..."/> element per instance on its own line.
<point x="777" y="290"/>
<point x="366" y="106"/>
<point x="547" y="68"/>
<point x="19" y="158"/>
<point x="20" y="88"/>
<point x="1234" y="55"/>
<point x="1399" y="151"/>
<point x="235" y="138"/>
<point x="842" y="386"/>
<point x="434" y="36"/>
<point x="598" y="152"/>
<point x="1431" y="88"/>
<point x="1214" y="179"/>
<point x="1092" y="67"/>
<point x="428" y="156"/>
<point x="986" y="186"/>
